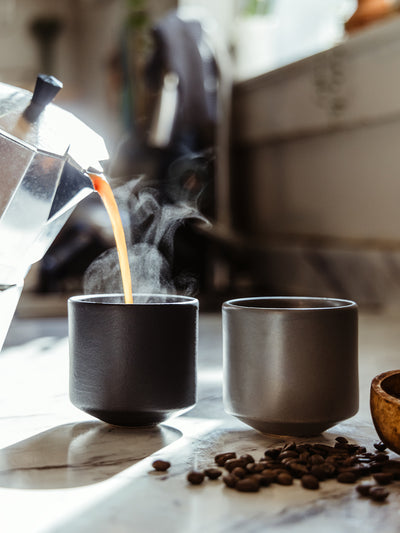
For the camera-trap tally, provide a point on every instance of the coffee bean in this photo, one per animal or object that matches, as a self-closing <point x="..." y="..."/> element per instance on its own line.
<point x="378" y="494"/>
<point x="375" y="467"/>
<point x="247" y="458"/>
<point x="347" y="477"/>
<point x="160" y="465"/>
<point x="310" y="482"/>
<point x="363" y="490"/>
<point x="322" y="449"/>
<point x="319" y="472"/>
<point x="349" y="461"/>
<point x="352" y="448"/>
<point x="303" y="457"/>
<point x="323" y="471"/>
<point x="393" y="467"/>
<point x="268" y="475"/>
<point x="298" y="470"/>
<point x="248" y="484"/>
<point x="239" y="472"/>
<point x="316" y="459"/>
<point x="195" y="478"/>
<point x="257" y="478"/>
<point x="212" y="473"/>
<point x="221" y="458"/>
<point x="288" y="453"/>
<point x="381" y="457"/>
<point x="273" y="452"/>
<point x="264" y="481"/>
<point x="364" y="470"/>
<point x="284" y="478"/>
<point x="230" y="464"/>
<point x="341" y="440"/>
<point x="278" y="471"/>
<point x="383" y="478"/>
<point x="332" y="459"/>
<point x="380" y="446"/>
<point x="359" y="470"/>
<point x="250" y="467"/>
<point x="230" y="480"/>
<point x="287" y="460"/>
<point x="289" y="446"/>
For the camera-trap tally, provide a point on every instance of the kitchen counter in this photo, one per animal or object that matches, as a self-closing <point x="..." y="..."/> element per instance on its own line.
<point x="63" y="471"/>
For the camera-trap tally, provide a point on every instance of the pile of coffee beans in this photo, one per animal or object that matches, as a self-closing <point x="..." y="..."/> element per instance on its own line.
<point x="311" y="463"/>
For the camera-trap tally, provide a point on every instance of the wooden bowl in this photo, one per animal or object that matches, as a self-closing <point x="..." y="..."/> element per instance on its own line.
<point x="385" y="408"/>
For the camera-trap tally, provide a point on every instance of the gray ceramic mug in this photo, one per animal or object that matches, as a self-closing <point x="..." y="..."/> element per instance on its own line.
<point x="290" y="363"/>
<point x="133" y="364"/>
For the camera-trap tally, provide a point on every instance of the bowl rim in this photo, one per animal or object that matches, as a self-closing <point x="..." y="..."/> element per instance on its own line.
<point x="376" y="386"/>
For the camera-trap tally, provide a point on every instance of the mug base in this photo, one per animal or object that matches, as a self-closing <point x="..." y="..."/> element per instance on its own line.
<point x="290" y="429"/>
<point x="135" y="419"/>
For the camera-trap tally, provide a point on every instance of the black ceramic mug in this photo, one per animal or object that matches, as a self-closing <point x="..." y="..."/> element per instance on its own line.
<point x="133" y="364"/>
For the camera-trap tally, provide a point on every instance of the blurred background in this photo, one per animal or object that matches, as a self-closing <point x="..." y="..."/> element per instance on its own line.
<point x="277" y="121"/>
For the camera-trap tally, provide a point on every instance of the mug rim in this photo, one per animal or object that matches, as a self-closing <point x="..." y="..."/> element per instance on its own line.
<point x="93" y="299"/>
<point x="325" y="303"/>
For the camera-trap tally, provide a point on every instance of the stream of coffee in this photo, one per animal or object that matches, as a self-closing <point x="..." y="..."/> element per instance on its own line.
<point x="106" y="194"/>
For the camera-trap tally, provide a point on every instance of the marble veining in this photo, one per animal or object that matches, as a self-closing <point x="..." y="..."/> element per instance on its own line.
<point x="63" y="471"/>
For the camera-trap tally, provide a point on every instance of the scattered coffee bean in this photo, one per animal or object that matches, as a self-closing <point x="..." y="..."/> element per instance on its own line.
<point x="257" y="478"/>
<point x="288" y="453"/>
<point x="381" y="457"/>
<point x="347" y="477"/>
<point x="380" y="446"/>
<point x="378" y="494"/>
<point x="341" y="440"/>
<point x="350" y="461"/>
<point x="160" y="465"/>
<point x="255" y="468"/>
<point x="393" y="467"/>
<point x="290" y="446"/>
<point x="303" y="457"/>
<point x="239" y="472"/>
<point x="383" y="478"/>
<point x="268" y="476"/>
<point x="284" y="478"/>
<point x="310" y="482"/>
<point x="230" y="464"/>
<point x="212" y="473"/>
<point x="247" y="458"/>
<point x="230" y="480"/>
<point x="221" y="458"/>
<point x="273" y="452"/>
<point x="316" y="459"/>
<point x="298" y="470"/>
<point x="265" y="481"/>
<point x="249" y="484"/>
<point x="363" y="490"/>
<point x="195" y="478"/>
<point x="324" y="471"/>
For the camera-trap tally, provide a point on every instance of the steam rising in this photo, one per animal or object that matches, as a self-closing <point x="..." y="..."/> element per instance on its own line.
<point x="150" y="227"/>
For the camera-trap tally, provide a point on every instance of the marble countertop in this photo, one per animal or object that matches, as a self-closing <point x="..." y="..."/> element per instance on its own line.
<point x="63" y="471"/>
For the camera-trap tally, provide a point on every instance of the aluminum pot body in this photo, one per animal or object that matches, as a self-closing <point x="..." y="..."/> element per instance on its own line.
<point x="290" y="364"/>
<point x="133" y="364"/>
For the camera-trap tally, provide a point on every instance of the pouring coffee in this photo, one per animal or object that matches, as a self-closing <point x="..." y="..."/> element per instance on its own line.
<point x="45" y="156"/>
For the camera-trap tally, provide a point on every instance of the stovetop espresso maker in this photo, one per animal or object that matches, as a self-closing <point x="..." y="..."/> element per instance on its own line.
<point x="45" y="153"/>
